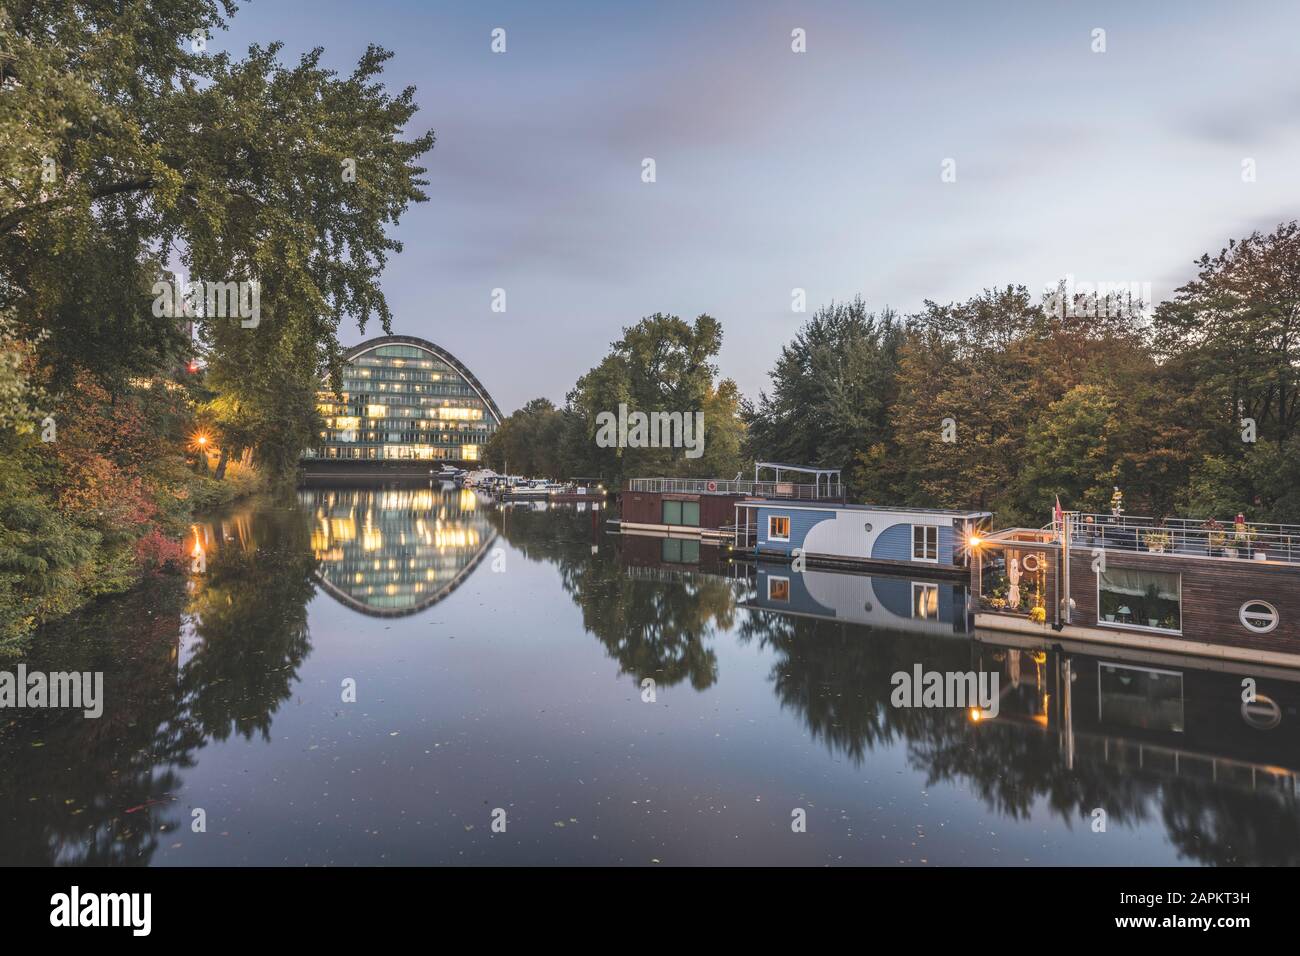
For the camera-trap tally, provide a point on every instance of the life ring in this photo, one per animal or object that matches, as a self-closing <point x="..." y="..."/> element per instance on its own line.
<point x="712" y="486"/>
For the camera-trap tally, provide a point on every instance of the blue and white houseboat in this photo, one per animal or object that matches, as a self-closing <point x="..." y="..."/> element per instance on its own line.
<point x="858" y="535"/>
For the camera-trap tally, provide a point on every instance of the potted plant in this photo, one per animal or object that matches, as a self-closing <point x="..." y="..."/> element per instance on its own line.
<point x="1038" y="614"/>
<point x="1156" y="541"/>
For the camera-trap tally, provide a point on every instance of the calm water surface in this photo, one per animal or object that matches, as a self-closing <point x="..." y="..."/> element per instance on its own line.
<point x="498" y="659"/>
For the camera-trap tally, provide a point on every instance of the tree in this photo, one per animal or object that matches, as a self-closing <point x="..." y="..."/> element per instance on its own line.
<point x="1234" y="332"/>
<point x="134" y="150"/>
<point x="531" y="442"/>
<point x="661" y="364"/>
<point x="1230" y="342"/>
<point x="832" y="388"/>
<point x="1068" y="453"/>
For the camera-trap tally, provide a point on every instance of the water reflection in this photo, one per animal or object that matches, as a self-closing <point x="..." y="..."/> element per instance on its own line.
<point x="207" y="665"/>
<point x="180" y="670"/>
<point x="1144" y="736"/>
<point x="395" y="551"/>
<point x="649" y="629"/>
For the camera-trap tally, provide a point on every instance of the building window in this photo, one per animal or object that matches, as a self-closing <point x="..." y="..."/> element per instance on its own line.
<point x="1259" y="616"/>
<point x="778" y="527"/>
<point x="1152" y="600"/>
<point x="778" y="589"/>
<point x="682" y="512"/>
<point x="925" y="542"/>
<point x="925" y="601"/>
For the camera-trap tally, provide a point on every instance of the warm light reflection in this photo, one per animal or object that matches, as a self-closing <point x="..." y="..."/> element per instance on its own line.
<point x="396" y="548"/>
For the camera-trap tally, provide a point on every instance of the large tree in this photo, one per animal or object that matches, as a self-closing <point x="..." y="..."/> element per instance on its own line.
<point x="661" y="364"/>
<point x="1230" y="342"/>
<point x="136" y="148"/>
<point x="832" y="387"/>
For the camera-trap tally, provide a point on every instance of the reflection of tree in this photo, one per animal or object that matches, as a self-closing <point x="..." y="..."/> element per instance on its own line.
<point x="80" y="791"/>
<point x="101" y="791"/>
<point x="250" y="618"/>
<point x="652" y="628"/>
<point x="837" y="677"/>
<point x="1223" y="827"/>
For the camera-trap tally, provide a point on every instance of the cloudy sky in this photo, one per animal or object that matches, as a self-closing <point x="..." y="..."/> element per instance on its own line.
<point x="821" y="170"/>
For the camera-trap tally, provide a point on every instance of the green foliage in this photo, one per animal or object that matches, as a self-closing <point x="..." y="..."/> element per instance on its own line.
<point x="661" y="364"/>
<point x="127" y="150"/>
<point x="131" y="149"/>
<point x="831" y="389"/>
<point x="1068" y="452"/>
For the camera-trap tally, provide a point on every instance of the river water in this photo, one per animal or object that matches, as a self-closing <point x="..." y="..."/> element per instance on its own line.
<point x="417" y="676"/>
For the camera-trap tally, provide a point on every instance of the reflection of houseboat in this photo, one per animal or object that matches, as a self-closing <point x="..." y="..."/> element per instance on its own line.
<point x="1153" y="713"/>
<point x="1183" y="587"/>
<point x="652" y="556"/>
<point x="889" y="603"/>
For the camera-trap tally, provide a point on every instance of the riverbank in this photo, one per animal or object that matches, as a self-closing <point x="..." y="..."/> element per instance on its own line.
<point x="95" y="500"/>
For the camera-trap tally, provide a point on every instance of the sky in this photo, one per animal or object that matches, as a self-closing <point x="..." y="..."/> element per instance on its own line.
<point x="821" y="170"/>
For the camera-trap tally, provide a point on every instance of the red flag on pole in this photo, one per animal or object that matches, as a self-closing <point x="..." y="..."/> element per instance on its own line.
<point x="1058" y="516"/>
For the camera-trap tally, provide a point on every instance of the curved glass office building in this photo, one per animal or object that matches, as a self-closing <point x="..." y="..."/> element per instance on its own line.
<point x="405" y="398"/>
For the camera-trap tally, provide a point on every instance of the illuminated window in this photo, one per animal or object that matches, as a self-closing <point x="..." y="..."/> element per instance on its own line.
<point x="1144" y="599"/>
<point x="778" y="527"/>
<point x="925" y="601"/>
<point x="925" y="542"/>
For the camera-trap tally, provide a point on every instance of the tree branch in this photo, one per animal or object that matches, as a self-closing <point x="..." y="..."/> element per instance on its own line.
<point x="10" y="222"/>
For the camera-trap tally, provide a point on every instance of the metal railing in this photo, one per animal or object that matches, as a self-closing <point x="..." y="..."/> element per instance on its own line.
<point x="1184" y="536"/>
<point x="756" y="489"/>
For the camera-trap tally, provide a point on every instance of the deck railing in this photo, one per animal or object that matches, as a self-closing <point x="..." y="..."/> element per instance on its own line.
<point x="756" y="489"/>
<point x="1184" y="536"/>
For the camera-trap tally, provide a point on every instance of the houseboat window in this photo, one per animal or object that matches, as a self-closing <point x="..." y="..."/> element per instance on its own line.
<point x="925" y="542"/>
<point x="682" y="512"/>
<point x="681" y="550"/>
<point x="1259" y="616"/>
<point x="778" y="589"/>
<point x="925" y="601"/>
<point x="1145" y="697"/>
<point x="1146" y="599"/>
<point x="778" y="527"/>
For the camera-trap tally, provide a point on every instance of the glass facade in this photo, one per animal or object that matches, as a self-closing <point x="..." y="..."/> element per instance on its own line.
<point x="405" y="399"/>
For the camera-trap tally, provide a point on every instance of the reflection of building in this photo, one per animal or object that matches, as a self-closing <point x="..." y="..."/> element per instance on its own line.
<point x="405" y="399"/>
<point x="881" y="601"/>
<point x="394" y="551"/>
